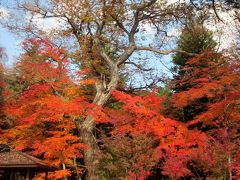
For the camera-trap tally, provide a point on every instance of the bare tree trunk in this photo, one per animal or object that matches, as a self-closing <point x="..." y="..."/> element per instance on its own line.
<point x="229" y="169"/>
<point x="92" y="152"/>
<point x="64" y="167"/>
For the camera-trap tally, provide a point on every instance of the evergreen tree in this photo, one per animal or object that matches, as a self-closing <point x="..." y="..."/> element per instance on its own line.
<point x="195" y="38"/>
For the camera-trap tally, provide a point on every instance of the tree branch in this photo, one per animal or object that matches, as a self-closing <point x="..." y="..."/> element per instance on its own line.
<point x="215" y="11"/>
<point x="138" y="66"/>
<point x="128" y="52"/>
<point x="136" y="21"/>
<point x="120" y="24"/>
<point x="131" y="48"/>
<point x="143" y="6"/>
<point x="103" y="53"/>
<point x="163" y="52"/>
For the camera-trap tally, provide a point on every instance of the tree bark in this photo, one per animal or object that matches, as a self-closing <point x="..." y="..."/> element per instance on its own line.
<point x="64" y="168"/>
<point x="229" y="173"/>
<point x="91" y="153"/>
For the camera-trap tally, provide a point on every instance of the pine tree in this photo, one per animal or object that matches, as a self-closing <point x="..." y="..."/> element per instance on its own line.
<point x="195" y="38"/>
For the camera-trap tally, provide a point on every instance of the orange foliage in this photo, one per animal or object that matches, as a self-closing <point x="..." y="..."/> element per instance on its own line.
<point x="60" y="174"/>
<point x="48" y="109"/>
<point x="215" y="78"/>
<point x="177" y="145"/>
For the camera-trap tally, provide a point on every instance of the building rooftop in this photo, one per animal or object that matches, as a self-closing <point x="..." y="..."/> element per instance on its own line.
<point x="18" y="159"/>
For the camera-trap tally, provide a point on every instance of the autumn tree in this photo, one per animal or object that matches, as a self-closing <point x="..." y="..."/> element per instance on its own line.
<point x="4" y="122"/>
<point x="215" y="81"/>
<point x="195" y="38"/>
<point x="107" y="34"/>
<point x="50" y="106"/>
<point x="1" y="88"/>
<point x="46" y="108"/>
<point x="145" y="140"/>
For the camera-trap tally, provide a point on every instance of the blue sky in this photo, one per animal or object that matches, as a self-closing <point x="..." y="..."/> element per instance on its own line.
<point x="12" y="45"/>
<point x="8" y="40"/>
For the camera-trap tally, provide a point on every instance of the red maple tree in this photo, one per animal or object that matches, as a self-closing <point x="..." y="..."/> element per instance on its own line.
<point x="46" y="110"/>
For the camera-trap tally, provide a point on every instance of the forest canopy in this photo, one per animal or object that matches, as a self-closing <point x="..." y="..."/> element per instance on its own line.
<point x="114" y="89"/>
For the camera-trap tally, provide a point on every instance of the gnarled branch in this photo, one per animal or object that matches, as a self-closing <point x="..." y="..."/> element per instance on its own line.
<point x="138" y="66"/>
<point x="163" y="52"/>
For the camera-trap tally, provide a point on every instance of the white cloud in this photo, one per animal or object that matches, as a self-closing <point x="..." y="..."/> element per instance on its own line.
<point x="4" y="14"/>
<point x="225" y="32"/>
<point x="46" y="24"/>
<point x="147" y="29"/>
<point x="175" y="32"/>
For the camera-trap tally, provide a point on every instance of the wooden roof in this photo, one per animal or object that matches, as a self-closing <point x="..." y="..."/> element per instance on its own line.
<point x="18" y="159"/>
